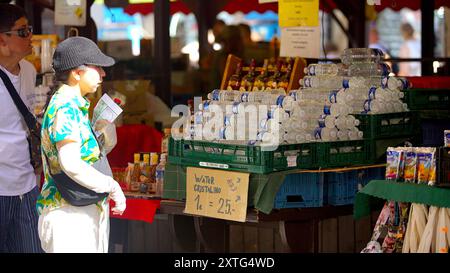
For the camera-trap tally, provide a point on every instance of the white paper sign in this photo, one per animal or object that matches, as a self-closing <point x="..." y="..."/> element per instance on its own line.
<point x="300" y="42"/>
<point x="70" y="12"/>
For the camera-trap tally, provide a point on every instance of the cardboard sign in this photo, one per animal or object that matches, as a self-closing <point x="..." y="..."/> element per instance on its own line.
<point x="217" y="194"/>
<point x="298" y="13"/>
<point x="300" y="42"/>
<point x="70" y="12"/>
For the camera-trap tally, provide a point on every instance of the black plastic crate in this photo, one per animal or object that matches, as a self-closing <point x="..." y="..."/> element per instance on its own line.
<point x="433" y="131"/>
<point x="443" y="167"/>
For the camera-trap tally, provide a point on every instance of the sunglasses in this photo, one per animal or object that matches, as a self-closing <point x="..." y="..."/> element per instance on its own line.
<point x="23" y="32"/>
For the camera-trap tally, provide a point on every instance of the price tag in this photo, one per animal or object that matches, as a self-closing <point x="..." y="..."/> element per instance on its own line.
<point x="298" y="13"/>
<point x="216" y="193"/>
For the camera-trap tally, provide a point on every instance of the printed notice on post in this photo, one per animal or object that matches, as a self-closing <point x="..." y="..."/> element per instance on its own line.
<point x="298" y="13"/>
<point x="300" y="42"/>
<point x="217" y="194"/>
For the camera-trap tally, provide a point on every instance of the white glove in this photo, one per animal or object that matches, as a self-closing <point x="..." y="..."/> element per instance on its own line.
<point x="119" y="198"/>
<point x="108" y="132"/>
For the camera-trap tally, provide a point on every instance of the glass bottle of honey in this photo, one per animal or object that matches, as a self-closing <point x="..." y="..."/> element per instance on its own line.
<point x="235" y="79"/>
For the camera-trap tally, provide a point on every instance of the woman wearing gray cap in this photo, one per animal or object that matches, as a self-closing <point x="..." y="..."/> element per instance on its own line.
<point x="69" y="146"/>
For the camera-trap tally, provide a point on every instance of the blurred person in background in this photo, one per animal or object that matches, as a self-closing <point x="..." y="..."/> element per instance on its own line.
<point x="375" y="42"/>
<point x="231" y="43"/>
<point x="410" y="48"/>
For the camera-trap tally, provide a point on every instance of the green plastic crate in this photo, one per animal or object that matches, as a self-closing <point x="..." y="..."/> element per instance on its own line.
<point x="387" y="125"/>
<point x="343" y="153"/>
<point x="244" y="158"/>
<point x="422" y="99"/>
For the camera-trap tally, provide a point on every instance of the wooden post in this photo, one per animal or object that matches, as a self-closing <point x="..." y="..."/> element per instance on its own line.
<point x="428" y="38"/>
<point x="162" y="51"/>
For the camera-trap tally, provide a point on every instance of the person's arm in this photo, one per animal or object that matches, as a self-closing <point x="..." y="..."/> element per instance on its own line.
<point x="87" y="176"/>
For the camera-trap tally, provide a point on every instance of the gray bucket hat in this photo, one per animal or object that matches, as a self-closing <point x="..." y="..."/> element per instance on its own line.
<point x="76" y="51"/>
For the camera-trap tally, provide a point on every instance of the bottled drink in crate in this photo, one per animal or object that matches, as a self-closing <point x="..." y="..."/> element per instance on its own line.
<point x="159" y="175"/>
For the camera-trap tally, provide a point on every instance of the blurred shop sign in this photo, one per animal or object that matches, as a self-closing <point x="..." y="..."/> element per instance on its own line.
<point x="70" y="12"/>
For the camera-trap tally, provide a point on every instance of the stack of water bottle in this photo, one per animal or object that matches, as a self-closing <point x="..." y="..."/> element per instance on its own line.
<point x="319" y="111"/>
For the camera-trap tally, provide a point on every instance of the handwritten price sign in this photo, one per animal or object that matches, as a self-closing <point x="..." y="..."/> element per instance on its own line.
<point x="217" y="194"/>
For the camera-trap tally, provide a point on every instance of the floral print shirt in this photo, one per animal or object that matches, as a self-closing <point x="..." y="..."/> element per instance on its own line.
<point x="66" y="118"/>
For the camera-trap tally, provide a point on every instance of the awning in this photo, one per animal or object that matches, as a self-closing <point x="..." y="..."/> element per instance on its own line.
<point x="233" y="6"/>
<point x="147" y="8"/>
<point x="247" y="6"/>
<point x="411" y="4"/>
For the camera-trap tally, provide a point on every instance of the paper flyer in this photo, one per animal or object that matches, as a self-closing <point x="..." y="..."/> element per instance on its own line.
<point x="107" y="109"/>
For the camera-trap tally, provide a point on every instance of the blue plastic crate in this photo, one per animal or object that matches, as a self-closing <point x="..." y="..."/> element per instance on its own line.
<point x="301" y="190"/>
<point x="433" y="131"/>
<point x="341" y="187"/>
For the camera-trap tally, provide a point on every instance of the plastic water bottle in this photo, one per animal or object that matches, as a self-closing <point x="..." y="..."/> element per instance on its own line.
<point x="397" y="83"/>
<point x="259" y="96"/>
<point x="362" y="55"/>
<point x="326" y="134"/>
<point x="159" y="175"/>
<point x="346" y="122"/>
<point x="283" y="101"/>
<point x="325" y="69"/>
<point x="369" y="69"/>
<point x="224" y="95"/>
<point x="331" y="82"/>
<point x="381" y="94"/>
<point x="354" y="134"/>
<point x="362" y="82"/>
<point x="375" y="107"/>
<point x="295" y="137"/>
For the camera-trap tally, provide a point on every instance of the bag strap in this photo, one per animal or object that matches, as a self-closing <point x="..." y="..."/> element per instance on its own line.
<point x="30" y="120"/>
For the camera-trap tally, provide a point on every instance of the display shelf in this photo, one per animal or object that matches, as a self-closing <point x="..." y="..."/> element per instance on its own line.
<point x="379" y="190"/>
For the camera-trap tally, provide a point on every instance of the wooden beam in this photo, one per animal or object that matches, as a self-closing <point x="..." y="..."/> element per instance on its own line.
<point x="162" y="51"/>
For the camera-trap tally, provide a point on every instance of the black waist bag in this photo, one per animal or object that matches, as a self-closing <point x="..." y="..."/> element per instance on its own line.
<point x="74" y="193"/>
<point x="71" y="191"/>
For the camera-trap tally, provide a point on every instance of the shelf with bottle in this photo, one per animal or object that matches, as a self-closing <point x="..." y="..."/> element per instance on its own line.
<point x="283" y="73"/>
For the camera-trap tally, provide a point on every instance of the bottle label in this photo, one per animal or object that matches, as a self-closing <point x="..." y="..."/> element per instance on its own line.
<point x="384" y="82"/>
<point x="293" y="94"/>
<point x="318" y="133"/>
<point x="206" y="105"/>
<point x="345" y="83"/>
<point x="227" y="120"/>
<point x="384" y="69"/>
<point x="263" y="124"/>
<point x="235" y="107"/>
<point x="198" y="118"/>
<point x="307" y="82"/>
<point x="222" y="132"/>
<point x="327" y="110"/>
<point x="216" y="95"/>
<point x="159" y="174"/>
<point x="312" y="70"/>
<point x="321" y="121"/>
<point x="367" y="106"/>
<point x="332" y="97"/>
<point x="404" y="83"/>
<point x="280" y="100"/>
<point x="244" y="97"/>
<point x="372" y="92"/>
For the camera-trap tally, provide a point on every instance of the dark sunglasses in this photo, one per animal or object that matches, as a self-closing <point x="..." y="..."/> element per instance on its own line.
<point x="23" y="32"/>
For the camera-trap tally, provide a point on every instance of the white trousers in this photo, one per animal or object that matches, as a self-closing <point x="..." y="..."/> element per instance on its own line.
<point x="75" y="229"/>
